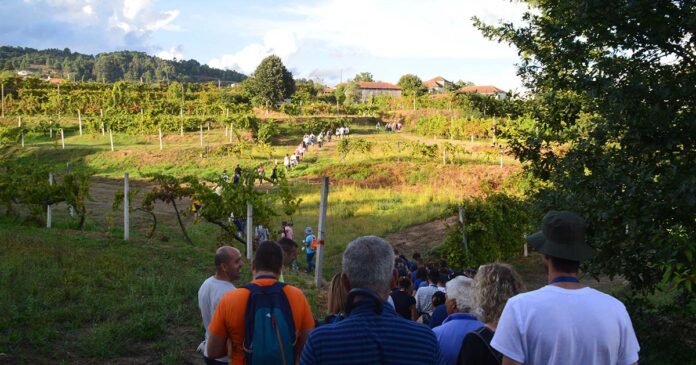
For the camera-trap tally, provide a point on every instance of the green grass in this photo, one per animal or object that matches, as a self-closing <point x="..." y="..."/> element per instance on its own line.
<point x="88" y="296"/>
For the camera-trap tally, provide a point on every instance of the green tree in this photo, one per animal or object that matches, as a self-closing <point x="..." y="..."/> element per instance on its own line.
<point x="411" y="85"/>
<point x="612" y="136"/>
<point x="272" y="82"/>
<point x="363" y="76"/>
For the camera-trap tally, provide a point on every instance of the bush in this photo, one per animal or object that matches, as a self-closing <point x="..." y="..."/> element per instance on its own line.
<point x="495" y="230"/>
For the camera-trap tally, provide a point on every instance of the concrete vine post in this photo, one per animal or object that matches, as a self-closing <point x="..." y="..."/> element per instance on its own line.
<point x="49" y="215"/>
<point x="321" y="231"/>
<point x="79" y="120"/>
<point x="160" y="138"/>
<point x="126" y="208"/>
<point x="249" y="231"/>
<point x="111" y="139"/>
<point x="462" y="221"/>
<point x="62" y="138"/>
<point x="201" y="135"/>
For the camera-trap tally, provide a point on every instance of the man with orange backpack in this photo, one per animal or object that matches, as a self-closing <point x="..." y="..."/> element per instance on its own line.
<point x="311" y="247"/>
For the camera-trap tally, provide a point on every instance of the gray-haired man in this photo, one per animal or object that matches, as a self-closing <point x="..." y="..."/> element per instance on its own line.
<point x="373" y="333"/>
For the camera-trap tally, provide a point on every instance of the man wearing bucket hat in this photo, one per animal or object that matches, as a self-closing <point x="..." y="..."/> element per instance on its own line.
<point x="309" y="238"/>
<point x="565" y="322"/>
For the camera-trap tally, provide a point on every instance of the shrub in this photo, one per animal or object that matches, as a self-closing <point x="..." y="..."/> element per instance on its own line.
<point x="495" y="230"/>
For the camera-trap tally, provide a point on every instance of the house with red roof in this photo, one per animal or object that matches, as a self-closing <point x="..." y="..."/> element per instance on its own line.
<point x="367" y="90"/>
<point x="437" y="85"/>
<point x="484" y="90"/>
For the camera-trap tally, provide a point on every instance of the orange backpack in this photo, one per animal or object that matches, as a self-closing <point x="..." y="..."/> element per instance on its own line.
<point x="314" y="244"/>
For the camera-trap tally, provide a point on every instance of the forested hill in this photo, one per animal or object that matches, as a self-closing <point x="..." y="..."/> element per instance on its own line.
<point x="109" y="67"/>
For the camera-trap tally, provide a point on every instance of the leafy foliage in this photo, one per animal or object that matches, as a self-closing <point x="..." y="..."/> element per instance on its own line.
<point x="495" y="230"/>
<point x="613" y="129"/>
<point x="351" y="145"/>
<point x="411" y="85"/>
<point x="272" y="82"/>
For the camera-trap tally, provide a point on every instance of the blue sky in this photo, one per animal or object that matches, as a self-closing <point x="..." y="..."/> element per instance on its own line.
<point x="329" y="40"/>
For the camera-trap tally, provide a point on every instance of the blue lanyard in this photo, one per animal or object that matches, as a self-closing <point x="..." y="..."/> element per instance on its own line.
<point x="565" y="279"/>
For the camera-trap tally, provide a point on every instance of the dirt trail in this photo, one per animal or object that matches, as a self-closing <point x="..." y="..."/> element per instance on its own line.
<point x="420" y="237"/>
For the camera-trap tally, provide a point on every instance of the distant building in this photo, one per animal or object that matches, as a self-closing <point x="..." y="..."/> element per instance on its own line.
<point x="53" y="80"/>
<point x="484" y="90"/>
<point x="24" y="73"/>
<point x="367" y="90"/>
<point x="437" y="85"/>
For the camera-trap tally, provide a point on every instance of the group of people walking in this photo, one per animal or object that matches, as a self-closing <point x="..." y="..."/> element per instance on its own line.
<point x="383" y="311"/>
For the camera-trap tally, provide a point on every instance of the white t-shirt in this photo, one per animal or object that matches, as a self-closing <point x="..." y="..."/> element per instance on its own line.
<point x="209" y="295"/>
<point x="553" y="325"/>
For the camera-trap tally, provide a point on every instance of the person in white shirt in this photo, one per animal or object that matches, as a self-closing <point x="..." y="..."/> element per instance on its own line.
<point x="228" y="264"/>
<point x="565" y="322"/>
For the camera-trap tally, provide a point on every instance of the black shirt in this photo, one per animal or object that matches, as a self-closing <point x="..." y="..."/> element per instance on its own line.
<point x="403" y="303"/>
<point x="476" y="349"/>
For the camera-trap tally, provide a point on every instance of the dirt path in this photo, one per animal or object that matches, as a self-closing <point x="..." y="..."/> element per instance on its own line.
<point x="420" y="237"/>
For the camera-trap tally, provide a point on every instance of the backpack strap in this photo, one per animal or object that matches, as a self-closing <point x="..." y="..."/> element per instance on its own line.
<point x="479" y="333"/>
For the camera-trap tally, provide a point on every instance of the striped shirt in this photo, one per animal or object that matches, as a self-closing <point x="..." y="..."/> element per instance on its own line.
<point x="365" y="337"/>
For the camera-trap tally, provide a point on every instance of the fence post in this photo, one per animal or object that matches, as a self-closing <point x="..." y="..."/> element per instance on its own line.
<point x="462" y="221"/>
<point x="49" y="216"/>
<point x="101" y="119"/>
<point x="249" y="231"/>
<point x="320" y="230"/>
<point x="62" y="138"/>
<point x="126" y="208"/>
<point x="160" y="138"/>
<point x="201" y="135"/>
<point x="22" y="133"/>
<point x="79" y="120"/>
<point x="226" y="130"/>
<point x="111" y="139"/>
<point x="19" y="122"/>
<point x="231" y="132"/>
<point x="182" y="129"/>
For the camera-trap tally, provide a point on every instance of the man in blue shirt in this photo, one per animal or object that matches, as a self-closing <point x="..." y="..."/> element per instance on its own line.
<point x="450" y="334"/>
<point x="373" y="333"/>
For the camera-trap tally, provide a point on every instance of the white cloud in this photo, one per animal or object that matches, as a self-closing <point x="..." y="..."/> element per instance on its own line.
<point x="413" y="28"/>
<point x="139" y="17"/>
<point x="172" y="53"/>
<point x="281" y="42"/>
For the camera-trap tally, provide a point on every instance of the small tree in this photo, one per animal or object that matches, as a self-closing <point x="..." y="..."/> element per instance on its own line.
<point x="411" y="85"/>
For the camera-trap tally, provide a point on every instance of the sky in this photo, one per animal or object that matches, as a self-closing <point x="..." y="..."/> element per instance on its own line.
<point x="329" y="40"/>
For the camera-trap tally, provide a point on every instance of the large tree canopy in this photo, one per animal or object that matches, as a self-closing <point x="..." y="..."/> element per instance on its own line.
<point x="612" y="128"/>
<point x="411" y="85"/>
<point x="272" y="82"/>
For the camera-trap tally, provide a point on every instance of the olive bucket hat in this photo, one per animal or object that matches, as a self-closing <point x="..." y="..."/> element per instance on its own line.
<point x="562" y="236"/>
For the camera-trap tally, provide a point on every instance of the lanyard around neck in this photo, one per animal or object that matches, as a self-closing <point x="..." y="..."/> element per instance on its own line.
<point x="565" y="279"/>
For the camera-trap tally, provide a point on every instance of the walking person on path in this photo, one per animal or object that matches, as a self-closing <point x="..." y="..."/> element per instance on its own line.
<point x="310" y="249"/>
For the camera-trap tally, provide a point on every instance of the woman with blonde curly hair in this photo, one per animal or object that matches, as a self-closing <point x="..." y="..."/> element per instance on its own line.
<point x="494" y="284"/>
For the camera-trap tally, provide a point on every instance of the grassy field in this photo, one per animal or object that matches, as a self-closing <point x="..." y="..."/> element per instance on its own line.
<point x="84" y="296"/>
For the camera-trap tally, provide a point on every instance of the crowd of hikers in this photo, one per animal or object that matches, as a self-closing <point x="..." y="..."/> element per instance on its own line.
<point x="384" y="308"/>
<point x="324" y="136"/>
